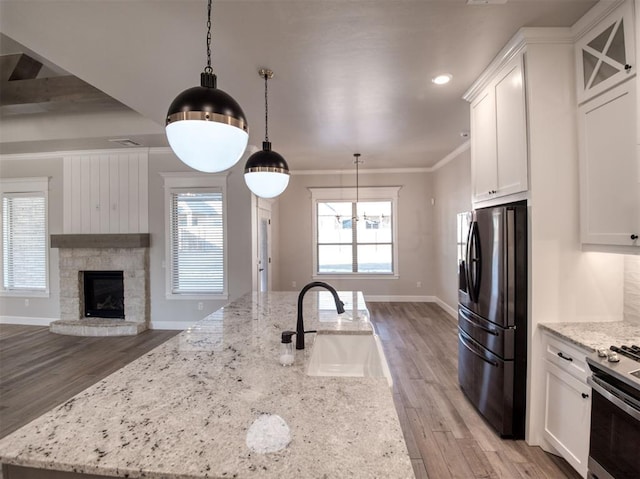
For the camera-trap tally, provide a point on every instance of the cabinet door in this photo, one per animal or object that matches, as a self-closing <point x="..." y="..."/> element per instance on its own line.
<point x="609" y="200"/>
<point x="606" y="54"/>
<point x="483" y="145"/>
<point x="511" y="131"/>
<point x="567" y="416"/>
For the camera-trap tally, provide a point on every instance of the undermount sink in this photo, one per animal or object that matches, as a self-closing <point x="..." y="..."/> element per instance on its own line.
<point x="349" y="355"/>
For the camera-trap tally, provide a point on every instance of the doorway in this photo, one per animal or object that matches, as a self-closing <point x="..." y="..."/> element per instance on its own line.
<point x="264" y="250"/>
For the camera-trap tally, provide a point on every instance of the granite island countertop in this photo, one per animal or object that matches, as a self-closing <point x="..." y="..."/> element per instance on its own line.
<point x="184" y="409"/>
<point x="594" y="335"/>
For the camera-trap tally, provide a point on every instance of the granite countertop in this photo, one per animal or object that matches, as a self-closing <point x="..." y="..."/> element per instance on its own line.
<point x="187" y="408"/>
<point x="594" y="335"/>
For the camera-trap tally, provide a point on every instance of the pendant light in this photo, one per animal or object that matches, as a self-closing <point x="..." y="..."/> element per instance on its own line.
<point x="266" y="172"/>
<point x="206" y="127"/>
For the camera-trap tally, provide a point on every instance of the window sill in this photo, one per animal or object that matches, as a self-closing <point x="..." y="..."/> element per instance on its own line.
<point x="24" y="294"/>
<point x="198" y="297"/>
<point x="356" y="276"/>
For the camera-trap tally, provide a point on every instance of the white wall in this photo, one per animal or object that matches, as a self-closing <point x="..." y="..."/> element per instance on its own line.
<point x="452" y="193"/>
<point x="177" y="312"/>
<point x="39" y="311"/>
<point x="164" y="313"/>
<point x="415" y="234"/>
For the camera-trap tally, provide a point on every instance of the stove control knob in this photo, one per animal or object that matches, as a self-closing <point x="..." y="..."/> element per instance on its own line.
<point x="602" y="353"/>
<point x="613" y="358"/>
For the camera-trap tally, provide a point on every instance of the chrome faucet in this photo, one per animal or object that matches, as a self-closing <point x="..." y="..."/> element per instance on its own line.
<point x="300" y="323"/>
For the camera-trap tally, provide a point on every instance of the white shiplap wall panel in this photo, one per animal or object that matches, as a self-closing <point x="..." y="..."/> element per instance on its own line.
<point x="114" y="194"/>
<point x="106" y="193"/>
<point x="143" y="192"/>
<point x="123" y="198"/>
<point x="85" y="195"/>
<point x="105" y="200"/>
<point x="67" y="198"/>
<point x="94" y="194"/>
<point x="133" y="188"/>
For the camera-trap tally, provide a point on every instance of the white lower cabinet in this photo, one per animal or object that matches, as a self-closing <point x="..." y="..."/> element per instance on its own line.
<point x="567" y="413"/>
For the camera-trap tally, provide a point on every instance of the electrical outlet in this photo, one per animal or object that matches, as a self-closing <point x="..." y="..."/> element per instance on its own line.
<point x="200" y="306"/>
<point x="26" y="303"/>
<point x="294" y="284"/>
<point x="418" y="284"/>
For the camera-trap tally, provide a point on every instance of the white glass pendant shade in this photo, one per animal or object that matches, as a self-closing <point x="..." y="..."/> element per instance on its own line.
<point x="266" y="184"/>
<point x="206" y="128"/>
<point x="266" y="172"/>
<point x="207" y="146"/>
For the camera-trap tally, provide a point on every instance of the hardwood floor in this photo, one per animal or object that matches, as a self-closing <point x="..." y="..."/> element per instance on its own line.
<point x="39" y="369"/>
<point x="445" y="436"/>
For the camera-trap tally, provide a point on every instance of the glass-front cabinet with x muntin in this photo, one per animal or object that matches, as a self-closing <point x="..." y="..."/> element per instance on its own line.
<point x="605" y="55"/>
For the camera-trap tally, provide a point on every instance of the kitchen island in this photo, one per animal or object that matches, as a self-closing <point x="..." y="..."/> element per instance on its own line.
<point x="191" y="407"/>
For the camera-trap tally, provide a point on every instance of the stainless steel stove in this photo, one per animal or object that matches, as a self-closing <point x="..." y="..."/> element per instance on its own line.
<point x="614" y="448"/>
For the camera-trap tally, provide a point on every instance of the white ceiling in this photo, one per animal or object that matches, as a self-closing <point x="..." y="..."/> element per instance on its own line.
<point x="350" y="75"/>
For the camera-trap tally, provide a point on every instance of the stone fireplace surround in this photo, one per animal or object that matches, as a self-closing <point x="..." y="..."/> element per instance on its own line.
<point x="128" y="253"/>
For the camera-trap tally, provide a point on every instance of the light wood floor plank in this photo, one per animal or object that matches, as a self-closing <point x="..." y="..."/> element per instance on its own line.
<point x="439" y="423"/>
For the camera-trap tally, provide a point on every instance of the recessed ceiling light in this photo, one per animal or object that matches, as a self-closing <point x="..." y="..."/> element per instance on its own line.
<point x="442" y="79"/>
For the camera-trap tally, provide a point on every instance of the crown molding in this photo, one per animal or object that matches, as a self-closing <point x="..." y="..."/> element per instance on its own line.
<point x="452" y="156"/>
<point x="515" y="46"/>
<point x="594" y="16"/>
<point x="51" y="155"/>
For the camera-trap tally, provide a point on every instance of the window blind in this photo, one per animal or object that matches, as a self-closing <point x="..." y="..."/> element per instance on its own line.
<point x="197" y="243"/>
<point x="24" y="242"/>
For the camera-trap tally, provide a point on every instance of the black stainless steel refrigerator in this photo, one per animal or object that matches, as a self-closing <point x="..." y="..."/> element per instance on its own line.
<point x="492" y="314"/>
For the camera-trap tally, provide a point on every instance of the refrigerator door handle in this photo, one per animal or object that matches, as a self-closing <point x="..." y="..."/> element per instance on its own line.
<point x="474" y="262"/>
<point x="467" y="318"/>
<point x="473" y="351"/>
<point x="467" y="263"/>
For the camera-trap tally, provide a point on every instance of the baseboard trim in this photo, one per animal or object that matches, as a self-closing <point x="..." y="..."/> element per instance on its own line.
<point x="171" y="325"/>
<point x="411" y="299"/>
<point x="26" y="320"/>
<point x="451" y="311"/>
<point x="398" y="299"/>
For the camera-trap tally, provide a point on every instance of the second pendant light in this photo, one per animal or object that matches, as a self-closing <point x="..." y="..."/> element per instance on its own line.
<point x="266" y="172"/>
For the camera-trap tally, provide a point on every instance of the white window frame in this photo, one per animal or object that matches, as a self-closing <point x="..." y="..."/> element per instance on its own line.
<point x="370" y="193"/>
<point x="40" y="186"/>
<point x="181" y="182"/>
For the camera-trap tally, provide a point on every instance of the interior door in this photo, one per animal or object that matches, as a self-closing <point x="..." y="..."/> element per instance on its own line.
<point x="264" y="250"/>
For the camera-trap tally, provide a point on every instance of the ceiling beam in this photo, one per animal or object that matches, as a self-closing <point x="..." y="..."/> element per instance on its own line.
<point x="26" y="69"/>
<point x="53" y="89"/>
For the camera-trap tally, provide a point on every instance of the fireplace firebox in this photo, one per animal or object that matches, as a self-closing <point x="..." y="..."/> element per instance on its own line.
<point x="104" y="294"/>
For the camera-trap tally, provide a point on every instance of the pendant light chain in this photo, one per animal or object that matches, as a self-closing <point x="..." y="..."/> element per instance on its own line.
<point x="266" y="108"/>
<point x="357" y="162"/>
<point x="208" y="68"/>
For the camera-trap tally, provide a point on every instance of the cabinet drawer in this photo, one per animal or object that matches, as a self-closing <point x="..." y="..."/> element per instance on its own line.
<point x="568" y="358"/>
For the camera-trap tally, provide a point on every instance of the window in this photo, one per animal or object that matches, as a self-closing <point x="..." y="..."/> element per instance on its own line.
<point x="24" y="237"/>
<point x="196" y="239"/>
<point x="355" y="238"/>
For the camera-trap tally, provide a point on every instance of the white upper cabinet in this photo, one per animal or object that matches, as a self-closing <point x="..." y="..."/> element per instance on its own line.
<point x="499" y="135"/>
<point x="608" y="135"/>
<point x="605" y="56"/>
<point x="609" y="188"/>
